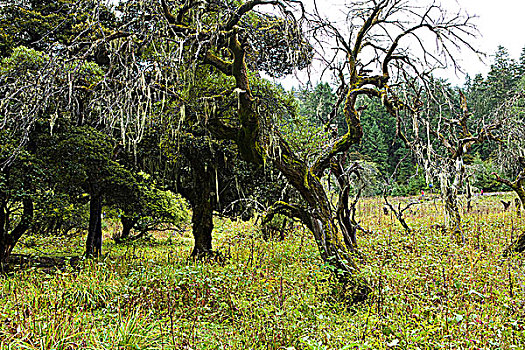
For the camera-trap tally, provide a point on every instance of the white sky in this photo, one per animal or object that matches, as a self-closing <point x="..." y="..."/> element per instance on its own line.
<point x="500" y="22"/>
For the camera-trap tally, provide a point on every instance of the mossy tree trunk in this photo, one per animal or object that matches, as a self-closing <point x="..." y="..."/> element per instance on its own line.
<point x="202" y="227"/>
<point x="317" y="213"/>
<point x="197" y="186"/>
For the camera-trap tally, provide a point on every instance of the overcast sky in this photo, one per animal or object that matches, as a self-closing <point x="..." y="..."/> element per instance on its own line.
<point x="500" y="22"/>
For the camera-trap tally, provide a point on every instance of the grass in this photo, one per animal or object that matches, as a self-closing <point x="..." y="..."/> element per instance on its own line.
<point x="429" y="291"/>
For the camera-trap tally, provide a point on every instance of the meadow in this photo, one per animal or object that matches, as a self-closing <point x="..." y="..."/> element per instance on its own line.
<point x="429" y="291"/>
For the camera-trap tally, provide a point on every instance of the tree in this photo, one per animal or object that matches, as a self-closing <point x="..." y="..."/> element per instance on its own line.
<point x="210" y="176"/>
<point x="442" y="135"/>
<point x="84" y="162"/>
<point x="47" y="91"/>
<point x="221" y="37"/>
<point x="18" y="193"/>
<point x="253" y="134"/>
<point x="150" y="208"/>
<point x="502" y="77"/>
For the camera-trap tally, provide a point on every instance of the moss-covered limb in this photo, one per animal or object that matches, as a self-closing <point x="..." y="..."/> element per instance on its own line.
<point x="223" y="131"/>
<point x="289" y="210"/>
<point x="320" y="220"/>
<point x="517" y="185"/>
<point x="182" y="11"/>
<point x="319" y="216"/>
<point x="345" y="209"/>
<point x="247" y="7"/>
<point x="239" y="69"/>
<point x="369" y="22"/>
<point x="217" y="62"/>
<point x="358" y="86"/>
<point x="379" y="81"/>
<point x="248" y="135"/>
<point x="354" y="132"/>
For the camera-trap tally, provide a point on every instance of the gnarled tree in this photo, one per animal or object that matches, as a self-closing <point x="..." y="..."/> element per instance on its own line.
<point x="158" y="51"/>
<point x="370" y="60"/>
<point x="441" y="136"/>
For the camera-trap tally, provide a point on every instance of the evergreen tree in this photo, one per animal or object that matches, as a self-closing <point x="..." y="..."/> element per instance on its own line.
<point x="502" y="77"/>
<point x="521" y="65"/>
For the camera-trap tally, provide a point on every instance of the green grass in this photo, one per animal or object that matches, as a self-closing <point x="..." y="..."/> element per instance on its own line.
<point x="429" y="291"/>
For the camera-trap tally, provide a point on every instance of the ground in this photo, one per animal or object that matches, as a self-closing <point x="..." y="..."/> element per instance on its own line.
<point x="430" y="292"/>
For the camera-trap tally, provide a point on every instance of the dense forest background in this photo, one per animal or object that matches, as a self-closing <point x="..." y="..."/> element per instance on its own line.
<point x="387" y="154"/>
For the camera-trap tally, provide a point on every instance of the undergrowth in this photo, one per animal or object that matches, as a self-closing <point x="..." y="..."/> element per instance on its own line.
<point x="429" y="291"/>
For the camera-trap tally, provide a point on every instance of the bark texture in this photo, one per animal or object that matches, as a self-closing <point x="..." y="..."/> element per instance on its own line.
<point x="94" y="237"/>
<point x="9" y="238"/>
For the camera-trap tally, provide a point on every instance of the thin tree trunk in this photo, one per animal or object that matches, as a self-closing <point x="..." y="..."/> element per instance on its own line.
<point x="94" y="238"/>
<point x="8" y="239"/>
<point x="452" y="216"/>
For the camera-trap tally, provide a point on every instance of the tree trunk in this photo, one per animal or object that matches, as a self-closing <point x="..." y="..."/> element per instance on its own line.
<point x="321" y="221"/>
<point x="452" y="216"/>
<point x="202" y="217"/>
<point x="469" y="197"/>
<point x="8" y="239"/>
<point x="127" y="225"/>
<point x="449" y="194"/>
<point x="7" y="244"/>
<point x="94" y="237"/>
<point x="345" y="217"/>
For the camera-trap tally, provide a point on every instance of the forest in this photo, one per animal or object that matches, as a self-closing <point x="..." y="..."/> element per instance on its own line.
<point x="161" y="189"/>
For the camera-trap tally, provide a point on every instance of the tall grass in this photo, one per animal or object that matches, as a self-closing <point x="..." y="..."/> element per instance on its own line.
<point x="429" y="291"/>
